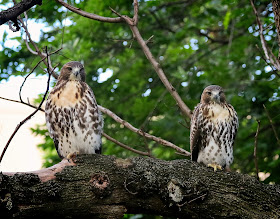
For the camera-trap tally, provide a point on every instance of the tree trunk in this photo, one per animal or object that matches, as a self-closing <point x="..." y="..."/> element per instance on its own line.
<point x="99" y="186"/>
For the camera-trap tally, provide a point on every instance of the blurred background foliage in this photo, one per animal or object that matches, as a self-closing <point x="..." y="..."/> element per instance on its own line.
<point x="197" y="42"/>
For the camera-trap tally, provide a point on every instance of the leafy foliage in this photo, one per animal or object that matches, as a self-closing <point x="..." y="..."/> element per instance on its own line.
<point x="197" y="43"/>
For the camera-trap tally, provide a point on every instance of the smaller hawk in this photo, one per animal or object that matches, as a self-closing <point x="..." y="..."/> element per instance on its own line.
<point x="73" y="119"/>
<point x="214" y="126"/>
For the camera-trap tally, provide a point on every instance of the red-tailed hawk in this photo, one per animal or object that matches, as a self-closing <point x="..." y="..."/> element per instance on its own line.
<point x="214" y="126"/>
<point x="73" y="119"/>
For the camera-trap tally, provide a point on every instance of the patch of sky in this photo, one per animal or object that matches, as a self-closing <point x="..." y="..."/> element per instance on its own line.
<point x="147" y="92"/>
<point x="104" y="75"/>
<point x="185" y="84"/>
<point x="193" y="43"/>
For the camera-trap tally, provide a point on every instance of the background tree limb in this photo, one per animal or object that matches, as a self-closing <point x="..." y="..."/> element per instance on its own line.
<point x="12" y="13"/>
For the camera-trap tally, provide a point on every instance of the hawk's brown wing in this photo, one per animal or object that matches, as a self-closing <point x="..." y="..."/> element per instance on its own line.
<point x="195" y="136"/>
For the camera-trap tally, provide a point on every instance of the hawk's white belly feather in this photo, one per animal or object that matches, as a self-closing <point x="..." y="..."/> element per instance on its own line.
<point x="218" y="148"/>
<point x="73" y="119"/>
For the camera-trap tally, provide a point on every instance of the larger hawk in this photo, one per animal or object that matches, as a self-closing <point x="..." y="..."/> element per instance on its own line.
<point x="73" y="119"/>
<point x="214" y="126"/>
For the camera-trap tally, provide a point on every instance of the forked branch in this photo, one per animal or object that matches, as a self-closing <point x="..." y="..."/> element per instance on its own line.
<point x="140" y="132"/>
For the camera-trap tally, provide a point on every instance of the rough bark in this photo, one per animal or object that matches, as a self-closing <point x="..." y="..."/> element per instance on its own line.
<point x="99" y="186"/>
<point x="13" y="12"/>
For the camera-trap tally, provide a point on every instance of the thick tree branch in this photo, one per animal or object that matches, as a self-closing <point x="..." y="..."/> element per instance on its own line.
<point x="99" y="186"/>
<point x="12" y="13"/>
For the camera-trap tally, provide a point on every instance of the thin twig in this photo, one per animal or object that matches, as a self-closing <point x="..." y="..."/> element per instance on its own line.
<point x="274" y="70"/>
<point x="148" y="118"/>
<point x="256" y="148"/>
<point x="32" y="70"/>
<point x="188" y="202"/>
<point x="28" y="117"/>
<point x="17" y="101"/>
<point x="268" y="53"/>
<point x="272" y="126"/>
<point x="124" y="146"/>
<point x="125" y="186"/>
<point x="42" y="55"/>
<point x="140" y="132"/>
<point x="89" y="15"/>
<point x="276" y="11"/>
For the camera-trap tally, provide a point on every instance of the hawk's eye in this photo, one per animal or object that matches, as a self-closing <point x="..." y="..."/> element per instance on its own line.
<point x="221" y="92"/>
<point x="69" y="68"/>
<point x="209" y="93"/>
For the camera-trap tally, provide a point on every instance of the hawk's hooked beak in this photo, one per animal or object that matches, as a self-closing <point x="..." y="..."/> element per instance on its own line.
<point x="216" y="98"/>
<point x="77" y="72"/>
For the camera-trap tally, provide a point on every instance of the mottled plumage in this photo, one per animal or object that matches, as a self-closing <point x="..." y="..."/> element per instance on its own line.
<point x="214" y="126"/>
<point x="73" y="119"/>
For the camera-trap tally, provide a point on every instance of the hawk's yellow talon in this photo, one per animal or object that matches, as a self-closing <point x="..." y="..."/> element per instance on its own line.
<point x="215" y="166"/>
<point x="70" y="156"/>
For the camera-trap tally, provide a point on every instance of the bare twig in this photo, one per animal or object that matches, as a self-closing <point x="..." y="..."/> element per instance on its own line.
<point x="17" y="101"/>
<point x="272" y="126"/>
<point x="124" y="146"/>
<point x="276" y="11"/>
<point x="42" y="55"/>
<point x="32" y="70"/>
<point x="125" y="186"/>
<point x="140" y="132"/>
<point x="256" y="148"/>
<point x="89" y="15"/>
<point x="28" y="117"/>
<point x="268" y="53"/>
<point x="148" y="118"/>
<point x="274" y="71"/>
<point x="188" y="202"/>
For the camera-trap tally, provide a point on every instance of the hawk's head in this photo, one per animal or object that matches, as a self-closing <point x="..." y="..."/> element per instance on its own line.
<point x="72" y="71"/>
<point x="213" y="94"/>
